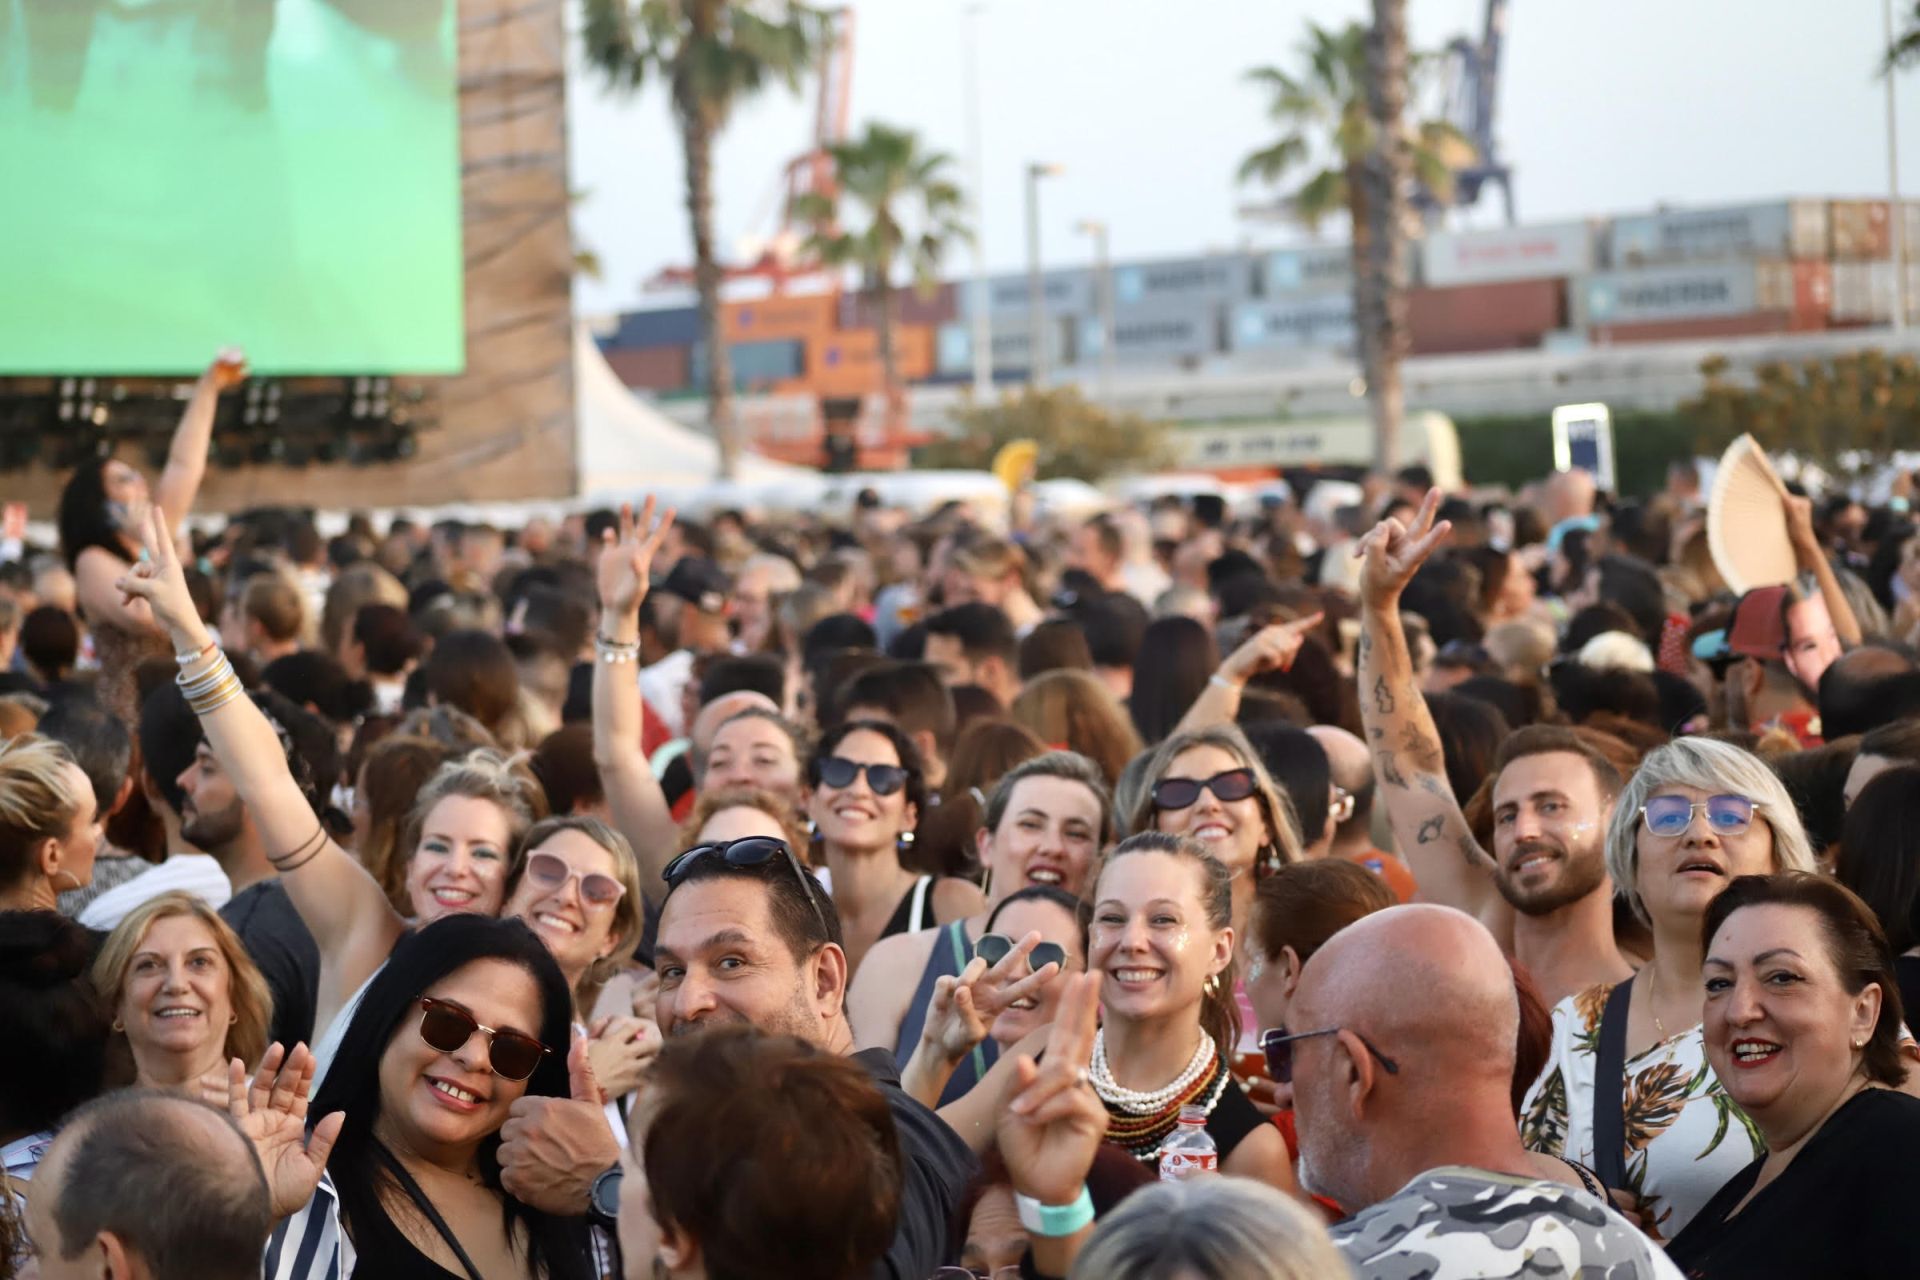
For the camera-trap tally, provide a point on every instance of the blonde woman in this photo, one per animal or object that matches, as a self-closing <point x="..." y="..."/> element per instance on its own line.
<point x="1695" y="816"/>
<point x="185" y="994"/>
<point x="49" y="826"/>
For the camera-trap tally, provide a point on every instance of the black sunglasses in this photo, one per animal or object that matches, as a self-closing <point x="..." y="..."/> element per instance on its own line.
<point x="993" y="948"/>
<point x="448" y="1027"/>
<point x="838" y="772"/>
<point x="748" y="851"/>
<point x="1278" y="1043"/>
<point x="1183" y="793"/>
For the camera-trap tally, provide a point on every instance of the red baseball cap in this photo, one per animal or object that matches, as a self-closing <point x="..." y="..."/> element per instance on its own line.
<point x="1759" y="625"/>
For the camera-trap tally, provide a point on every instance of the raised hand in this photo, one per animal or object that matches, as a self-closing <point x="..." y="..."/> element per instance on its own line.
<point x="1272" y="648"/>
<point x="1394" y="552"/>
<point x="627" y="558"/>
<point x="228" y="370"/>
<point x="159" y="580"/>
<point x="551" y="1149"/>
<point x="1800" y="532"/>
<point x="1051" y="1122"/>
<point x="272" y="1111"/>
<point x="954" y="1023"/>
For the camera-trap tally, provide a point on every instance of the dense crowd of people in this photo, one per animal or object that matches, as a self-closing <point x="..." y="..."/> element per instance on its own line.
<point x="1383" y="882"/>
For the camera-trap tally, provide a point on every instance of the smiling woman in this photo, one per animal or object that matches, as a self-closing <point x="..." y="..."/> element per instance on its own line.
<point x="469" y="1015"/>
<point x="185" y="994"/>
<point x="1803" y="1022"/>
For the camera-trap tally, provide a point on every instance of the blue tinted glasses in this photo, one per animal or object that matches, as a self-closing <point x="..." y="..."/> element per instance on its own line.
<point x="1670" y="816"/>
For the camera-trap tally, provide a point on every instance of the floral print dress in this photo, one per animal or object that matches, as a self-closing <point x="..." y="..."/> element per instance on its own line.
<point x="1685" y="1137"/>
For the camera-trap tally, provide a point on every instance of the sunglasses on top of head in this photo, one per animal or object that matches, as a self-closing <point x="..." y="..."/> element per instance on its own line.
<point x="748" y="851"/>
<point x="550" y="872"/>
<point x="1727" y="815"/>
<point x="838" y="772"/>
<point x="1184" y="793"/>
<point x="447" y="1027"/>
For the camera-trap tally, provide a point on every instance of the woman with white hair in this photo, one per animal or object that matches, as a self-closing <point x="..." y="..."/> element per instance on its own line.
<point x="1628" y="1090"/>
<point x="1209" y="1229"/>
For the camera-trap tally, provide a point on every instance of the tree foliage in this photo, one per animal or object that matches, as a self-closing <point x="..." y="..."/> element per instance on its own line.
<point x="1841" y="412"/>
<point x="1078" y="439"/>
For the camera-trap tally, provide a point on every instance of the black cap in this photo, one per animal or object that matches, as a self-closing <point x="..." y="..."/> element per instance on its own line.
<point x="701" y="583"/>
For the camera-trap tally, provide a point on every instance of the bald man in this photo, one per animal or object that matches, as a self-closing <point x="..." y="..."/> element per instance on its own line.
<point x="1352" y="769"/>
<point x="145" y="1185"/>
<point x="1402" y="1087"/>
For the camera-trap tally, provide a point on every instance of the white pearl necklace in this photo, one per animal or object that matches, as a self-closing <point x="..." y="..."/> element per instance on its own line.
<point x="1132" y="1101"/>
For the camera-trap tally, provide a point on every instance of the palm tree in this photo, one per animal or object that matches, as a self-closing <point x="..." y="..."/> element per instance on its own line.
<point x="1349" y="81"/>
<point x="711" y="54"/>
<point x="886" y="172"/>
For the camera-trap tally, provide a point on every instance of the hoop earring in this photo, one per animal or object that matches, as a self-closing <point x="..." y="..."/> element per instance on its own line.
<point x="69" y="875"/>
<point x="117" y="1028"/>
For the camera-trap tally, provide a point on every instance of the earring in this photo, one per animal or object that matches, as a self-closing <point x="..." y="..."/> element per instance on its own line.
<point x="813" y="829"/>
<point x="906" y="842"/>
<point x="117" y="1027"/>
<point x="1213" y="984"/>
<point x="69" y="875"/>
<point x="660" y="1271"/>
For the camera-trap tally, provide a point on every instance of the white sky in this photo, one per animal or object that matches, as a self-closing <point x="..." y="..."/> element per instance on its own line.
<point x="1603" y="107"/>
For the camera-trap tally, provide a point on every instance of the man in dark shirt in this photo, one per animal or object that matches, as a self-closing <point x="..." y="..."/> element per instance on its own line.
<point x="760" y="945"/>
<point x="281" y="945"/>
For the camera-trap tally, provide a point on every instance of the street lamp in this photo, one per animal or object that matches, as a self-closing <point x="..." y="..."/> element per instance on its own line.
<point x="1036" y="297"/>
<point x="982" y="321"/>
<point x="1103" y="271"/>
<point x="1896" y="215"/>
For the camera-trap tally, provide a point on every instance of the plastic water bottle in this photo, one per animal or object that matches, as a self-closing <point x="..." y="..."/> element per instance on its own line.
<point x="1190" y="1151"/>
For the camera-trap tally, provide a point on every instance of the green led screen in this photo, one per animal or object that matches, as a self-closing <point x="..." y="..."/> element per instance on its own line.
<point x="180" y="175"/>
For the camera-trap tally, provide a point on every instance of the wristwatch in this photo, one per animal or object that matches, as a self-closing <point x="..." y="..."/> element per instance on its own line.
<point x="603" y="1200"/>
<point x="1054" y="1219"/>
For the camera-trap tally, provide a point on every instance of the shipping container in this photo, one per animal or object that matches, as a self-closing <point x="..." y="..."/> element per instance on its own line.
<point x="799" y="315"/>
<point x="1485" y="317"/>
<point x="1508" y="253"/>
<point x="1804" y="288"/>
<point x="653" y="368"/>
<point x="910" y="306"/>
<point x="1219" y="277"/>
<point x="1324" y="320"/>
<point x="1910" y="230"/>
<point x="848" y="363"/>
<point x="1143" y="334"/>
<point x="1306" y="269"/>
<point x="1065" y="292"/>
<point x="1665" y="293"/>
<point x="674" y="327"/>
<point x="1776" y="229"/>
<point x="755" y="364"/>
<point x="1700" y="329"/>
<point x="1859" y="229"/>
<point x="1863" y="292"/>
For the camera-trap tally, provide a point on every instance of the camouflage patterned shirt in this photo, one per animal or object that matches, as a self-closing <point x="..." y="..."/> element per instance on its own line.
<point x="1456" y="1223"/>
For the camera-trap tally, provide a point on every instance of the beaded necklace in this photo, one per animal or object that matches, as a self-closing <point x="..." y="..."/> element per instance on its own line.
<point x="1141" y="1122"/>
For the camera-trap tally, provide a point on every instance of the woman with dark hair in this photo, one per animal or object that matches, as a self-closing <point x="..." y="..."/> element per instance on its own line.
<point x="1880" y="860"/>
<point x="469" y="1015"/>
<point x="1177" y="657"/>
<point x="982" y="755"/>
<point x="1803" y="1024"/>
<point x="866" y="791"/>
<point x="102" y="518"/>
<point x="474" y="671"/>
<point x="1162" y="941"/>
<point x="1075" y="711"/>
<point x="1058" y="644"/>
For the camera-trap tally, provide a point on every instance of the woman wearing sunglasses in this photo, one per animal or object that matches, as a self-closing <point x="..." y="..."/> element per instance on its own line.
<point x="1696" y="815"/>
<point x="469" y="1015"/>
<point x="1044" y="825"/>
<point x="465" y="861"/>
<point x="1162" y="941"/>
<point x="866" y="790"/>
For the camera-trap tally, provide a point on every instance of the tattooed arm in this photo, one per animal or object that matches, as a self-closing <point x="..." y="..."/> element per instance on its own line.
<point x="1428" y="826"/>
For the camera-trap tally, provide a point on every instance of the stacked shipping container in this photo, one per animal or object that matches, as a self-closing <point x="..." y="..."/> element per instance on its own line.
<point x="1769" y="267"/>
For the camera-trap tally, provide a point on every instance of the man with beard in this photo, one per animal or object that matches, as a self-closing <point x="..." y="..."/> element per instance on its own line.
<point x="1402" y="1083"/>
<point x="747" y="936"/>
<point x="1544" y="893"/>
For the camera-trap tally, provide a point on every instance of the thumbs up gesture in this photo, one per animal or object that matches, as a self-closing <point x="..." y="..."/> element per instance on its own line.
<point x="551" y="1149"/>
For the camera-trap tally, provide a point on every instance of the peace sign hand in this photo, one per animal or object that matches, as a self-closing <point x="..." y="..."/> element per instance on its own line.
<point x="627" y="559"/>
<point x="1394" y="552"/>
<point x="160" y="581"/>
<point x="1272" y="648"/>
<point x="1051" y="1122"/>
<point x="272" y="1112"/>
